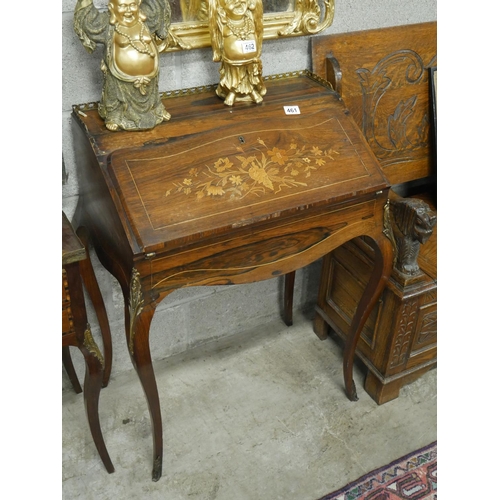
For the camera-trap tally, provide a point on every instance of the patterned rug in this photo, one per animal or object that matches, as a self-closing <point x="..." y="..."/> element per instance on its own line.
<point x="412" y="477"/>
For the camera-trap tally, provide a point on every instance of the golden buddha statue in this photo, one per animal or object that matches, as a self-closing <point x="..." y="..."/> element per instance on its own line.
<point x="236" y="30"/>
<point x="131" y="31"/>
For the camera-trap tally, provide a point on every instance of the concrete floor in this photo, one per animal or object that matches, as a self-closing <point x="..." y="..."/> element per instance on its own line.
<point x="258" y="416"/>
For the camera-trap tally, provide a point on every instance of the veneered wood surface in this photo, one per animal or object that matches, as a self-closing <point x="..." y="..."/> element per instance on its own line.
<point x="385" y="84"/>
<point x="280" y="164"/>
<point x="72" y="248"/>
<point x="240" y="173"/>
<point x="67" y="319"/>
<point x="194" y="111"/>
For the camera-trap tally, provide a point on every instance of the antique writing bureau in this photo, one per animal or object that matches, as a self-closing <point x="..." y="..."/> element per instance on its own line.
<point x="227" y="195"/>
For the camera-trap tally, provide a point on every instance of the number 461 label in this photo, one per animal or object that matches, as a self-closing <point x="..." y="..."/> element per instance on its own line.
<point x="291" y="110"/>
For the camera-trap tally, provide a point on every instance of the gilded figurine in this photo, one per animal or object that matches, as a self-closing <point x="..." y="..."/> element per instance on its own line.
<point x="236" y="31"/>
<point x="133" y="33"/>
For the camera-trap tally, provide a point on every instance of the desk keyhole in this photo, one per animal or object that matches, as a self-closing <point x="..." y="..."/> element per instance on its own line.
<point x="241" y="139"/>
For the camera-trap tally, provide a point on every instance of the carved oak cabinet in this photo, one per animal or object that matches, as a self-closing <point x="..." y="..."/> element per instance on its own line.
<point x="384" y="77"/>
<point x="223" y="195"/>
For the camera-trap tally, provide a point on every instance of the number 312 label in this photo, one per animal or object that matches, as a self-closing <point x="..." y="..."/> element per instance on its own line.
<point x="291" y="110"/>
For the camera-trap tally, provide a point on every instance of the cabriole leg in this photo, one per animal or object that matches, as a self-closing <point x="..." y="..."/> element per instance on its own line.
<point x="138" y="321"/>
<point x="289" y="287"/>
<point x="70" y="369"/>
<point x="381" y="272"/>
<point x="91" y="390"/>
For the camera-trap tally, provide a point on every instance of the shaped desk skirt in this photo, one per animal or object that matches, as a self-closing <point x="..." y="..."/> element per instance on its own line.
<point x="228" y="195"/>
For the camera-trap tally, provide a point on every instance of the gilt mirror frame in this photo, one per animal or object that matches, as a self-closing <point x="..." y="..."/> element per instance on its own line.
<point x="308" y="17"/>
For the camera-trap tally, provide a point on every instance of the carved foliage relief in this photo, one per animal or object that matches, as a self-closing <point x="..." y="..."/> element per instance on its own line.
<point x="395" y="129"/>
<point x="429" y="328"/>
<point x="404" y="333"/>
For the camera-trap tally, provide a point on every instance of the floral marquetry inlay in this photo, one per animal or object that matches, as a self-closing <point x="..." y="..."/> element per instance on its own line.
<point x="266" y="170"/>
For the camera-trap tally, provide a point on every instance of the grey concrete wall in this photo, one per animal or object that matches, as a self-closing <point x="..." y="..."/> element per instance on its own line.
<point x="196" y="315"/>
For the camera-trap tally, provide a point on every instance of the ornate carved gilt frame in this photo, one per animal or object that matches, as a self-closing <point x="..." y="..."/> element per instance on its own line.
<point x="308" y="18"/>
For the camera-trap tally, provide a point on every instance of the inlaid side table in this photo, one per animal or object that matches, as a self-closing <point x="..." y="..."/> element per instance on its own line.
<point x="228" y="195"/>
<point x="76" y="332"/>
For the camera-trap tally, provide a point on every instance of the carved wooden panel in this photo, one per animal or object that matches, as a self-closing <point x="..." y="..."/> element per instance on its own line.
<point x="383" y="77"/>
<point x="396" y="128"/>
<point x="428" y="326"/>
<point x="406" y="326"/>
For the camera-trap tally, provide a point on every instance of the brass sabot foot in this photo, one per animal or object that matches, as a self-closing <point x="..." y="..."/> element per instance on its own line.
<point x="157" y="468"/>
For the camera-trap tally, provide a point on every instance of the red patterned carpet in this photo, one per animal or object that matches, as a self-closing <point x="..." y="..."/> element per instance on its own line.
<point x="412" y="477"/>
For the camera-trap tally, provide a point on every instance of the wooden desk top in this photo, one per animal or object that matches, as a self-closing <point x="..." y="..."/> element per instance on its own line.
<point x="213" y="168"/>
